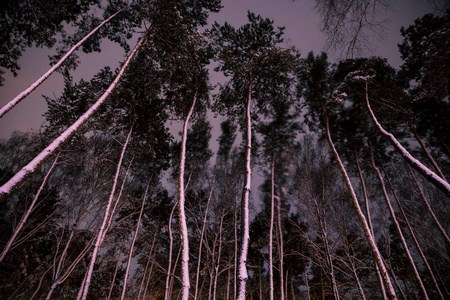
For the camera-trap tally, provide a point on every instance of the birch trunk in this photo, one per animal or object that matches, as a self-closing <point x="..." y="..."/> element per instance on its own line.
<point x="46" y="75"/>
<point x="280" y="247"/>
<point x="245" y="229"/>
<point x="41" y="158"/>
<point x="100" y="236"/>
<point x="115" y="275"/>
<point x="181" y="207"/>
<point x="397" y="225"/>
<point x="24" y="218"/>
<point x="130" y="255"/>
<point x="369" y="219"/>
<point x="429" y="175"/>
<point x="365" y="227"/>
<point x="169" y="267"/>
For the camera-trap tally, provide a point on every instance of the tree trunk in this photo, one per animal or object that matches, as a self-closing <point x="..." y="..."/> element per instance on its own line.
<point x="169" y="267"/>
<point x="413" y="236"/>
<point x="201" y="242"/>
<point x="245" y="225"/>
<point x="24" y="218"/>
<point x="397" y="225"/>
<point x="46" y="75"/>
<point x="100" y="236"/>
<point x="365" y="227"/>
<point x="115" y="275"/>
<point x="130" y="255"/>
<point x="41" y="158"/>
<point x="429" y="175"/>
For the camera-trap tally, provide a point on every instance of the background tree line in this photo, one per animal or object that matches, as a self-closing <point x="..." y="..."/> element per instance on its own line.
<point x="104" y="202"/>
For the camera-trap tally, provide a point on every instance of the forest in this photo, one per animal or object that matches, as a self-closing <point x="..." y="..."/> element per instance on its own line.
<point x="329" y="180"/>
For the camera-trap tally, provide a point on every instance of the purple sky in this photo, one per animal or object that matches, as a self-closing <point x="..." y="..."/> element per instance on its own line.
<point x="297" y="16"/>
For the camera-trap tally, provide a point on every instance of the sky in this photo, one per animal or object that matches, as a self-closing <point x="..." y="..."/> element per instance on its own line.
<point x="302" y="31"/>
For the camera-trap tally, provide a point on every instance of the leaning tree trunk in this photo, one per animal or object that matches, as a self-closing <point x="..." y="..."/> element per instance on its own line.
<point x="106" y="216"/>
<point x="47" y="74"/>
<point x="362" y="219"/>
<point x="245" y="229"/>
<point x="181" y="208"/>
<point x="41" y="158"/>
<point x="429" y="175"/>
<point x="397" y="225"/>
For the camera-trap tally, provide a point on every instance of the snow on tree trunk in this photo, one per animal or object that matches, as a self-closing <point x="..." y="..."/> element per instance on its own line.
<point x="102" y="229"/>
<point x="41" y="158"/>
<point x="245" y="231"/>
<point x="429" y="175"/>
<point x="46" y="75"/>
<point x="181" y="208"/>
<point x="27" y="213"/>
<point x="397" y="225"/>
<point x="362" y="219"/>
<point x="130" y="255"/>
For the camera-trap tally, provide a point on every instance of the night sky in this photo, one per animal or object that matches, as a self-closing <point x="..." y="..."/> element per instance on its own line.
<point x="302" y="30"/>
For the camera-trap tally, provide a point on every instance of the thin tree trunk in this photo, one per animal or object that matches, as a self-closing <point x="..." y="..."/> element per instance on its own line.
<point x="358" y="282"/>
<point x="428" y="206"/>
<point x="429" y="175"/>
<point x="130" y="255"/>
<point x="413" y="236"/>
<point x="115" y="274"/>
<point x="245" y="225"/>
<point x="105" y="219"/>
<point x="181" y="207"/>
<point x="272" y="209"/>
<point x="24" y="218"/>
<point x="367" y="232"/>
<point x="216" y="276"/>
<point x="46" y="75"/>
<point x="150" y="272"/>
<point x="369" y="219"/>
<point x="201" y="242"/>
<point x="427" y="153"/>
<point x="235" y="248"/>
<point x="41" y="158"/>
<point x="280" y="247"/>
<point x="307" y="285"/>
<point x="397" y="225"/>
<point x="169" y="267"/>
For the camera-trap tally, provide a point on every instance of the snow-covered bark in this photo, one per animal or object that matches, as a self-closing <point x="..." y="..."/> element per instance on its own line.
<point x="41" y="158"/>
<point x="30" y="209"/>
<point x="397" y="226"/>
<point x="429" y="175"/>
<point x="100" y="235"/>
<point x="360" y="215"/>
<point x="245" y="235"/>
<point x="130" y="254"/>
<point x="47" y="74"/>
<point x="181" y="208"/>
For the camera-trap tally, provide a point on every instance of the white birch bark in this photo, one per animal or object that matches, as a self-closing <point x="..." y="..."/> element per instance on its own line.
<point x="100" y="235"/>
<point x="181" y="207"/>
<point x="280" y="248"/>
<point x="397" y="226"/>
<point x="429" y="175"/>
<point x="47" y="74"/>
<point x="37" y="162"/>
<point x="245" y="235"/>
<point x="362" y="219"/>
<point x="30" y="209"/>
<point x="130" y="255"/>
